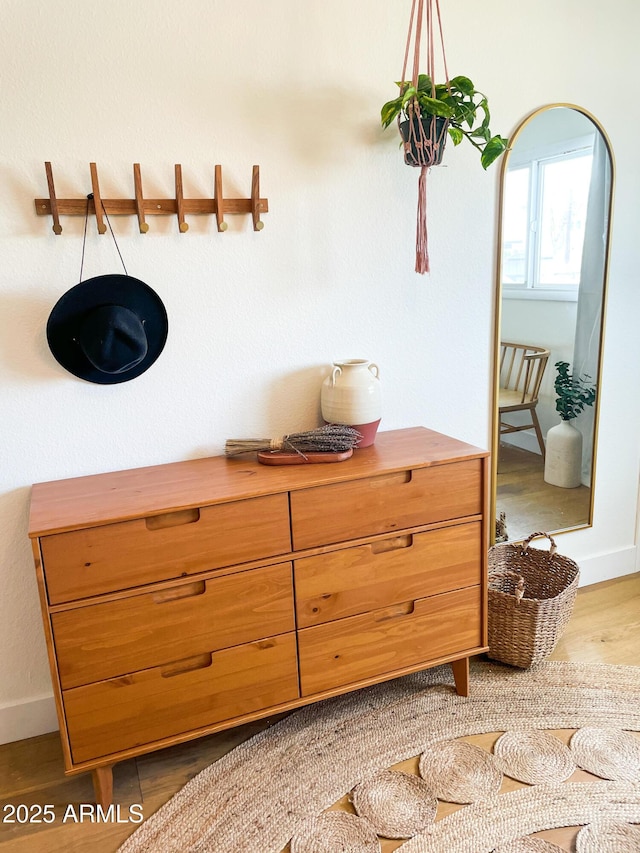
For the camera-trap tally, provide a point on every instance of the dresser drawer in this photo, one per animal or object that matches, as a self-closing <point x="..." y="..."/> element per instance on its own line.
<point x="342" y="511"/>
<point x="104" y="640"/>
<point x="122" y="713"/>
<point x="103" y="559"/>
<point x="387" y="571"/>
<point x="376" y="644"/>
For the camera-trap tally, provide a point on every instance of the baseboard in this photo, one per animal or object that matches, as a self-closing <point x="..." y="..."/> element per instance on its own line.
<point x="605" y="567"/>
<point x="28" y="719"/>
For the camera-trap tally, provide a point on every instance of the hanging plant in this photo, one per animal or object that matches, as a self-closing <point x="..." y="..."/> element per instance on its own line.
<point x="429" y="113"/>
<point x="456" y="104"/>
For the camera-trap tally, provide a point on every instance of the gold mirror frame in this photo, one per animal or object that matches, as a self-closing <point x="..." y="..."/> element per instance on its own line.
<point x="495" y="444"/>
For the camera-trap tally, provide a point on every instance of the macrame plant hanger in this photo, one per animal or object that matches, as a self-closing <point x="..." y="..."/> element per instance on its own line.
<point x="424" y="137"/>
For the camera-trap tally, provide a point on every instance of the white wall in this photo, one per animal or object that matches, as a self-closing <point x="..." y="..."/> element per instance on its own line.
<point x="255" y="319"/>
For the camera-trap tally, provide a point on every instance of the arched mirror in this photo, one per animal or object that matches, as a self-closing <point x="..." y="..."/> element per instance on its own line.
<point x="554" y="225"/>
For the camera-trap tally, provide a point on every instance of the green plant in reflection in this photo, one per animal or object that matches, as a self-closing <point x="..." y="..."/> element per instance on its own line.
<point x="573" y="393"/>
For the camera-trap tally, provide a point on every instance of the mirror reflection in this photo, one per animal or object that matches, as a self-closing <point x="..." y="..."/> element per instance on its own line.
<point x="555" y="208"/>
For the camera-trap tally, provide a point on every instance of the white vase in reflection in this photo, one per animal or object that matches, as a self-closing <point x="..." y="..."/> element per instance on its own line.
<point x="563" y="456"/>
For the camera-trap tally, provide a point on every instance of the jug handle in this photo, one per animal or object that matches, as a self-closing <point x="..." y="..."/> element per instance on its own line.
<point x="374" y="369"/>
<point x="335" y="372"/>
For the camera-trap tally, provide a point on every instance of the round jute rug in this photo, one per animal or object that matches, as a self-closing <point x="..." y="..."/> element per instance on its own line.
<point x="271" y="793"/>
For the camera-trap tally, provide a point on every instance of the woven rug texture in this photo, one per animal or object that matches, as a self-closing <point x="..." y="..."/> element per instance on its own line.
<point x="275" y="789"/>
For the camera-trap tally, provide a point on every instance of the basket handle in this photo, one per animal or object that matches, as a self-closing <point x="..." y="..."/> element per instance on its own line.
<point x="552" y="549"/>
<point x="507" y="573"/>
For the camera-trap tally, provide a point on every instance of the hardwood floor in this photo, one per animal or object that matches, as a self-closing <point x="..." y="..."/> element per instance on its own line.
<point x="605" y="627"/>
<point x="529" y="503"/>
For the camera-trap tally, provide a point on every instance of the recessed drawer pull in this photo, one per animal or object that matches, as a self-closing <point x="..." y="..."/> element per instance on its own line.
<point x="176" y="593"/>
<point x="187" y="665"/>
<point x="395" y="612"/>
<point x="387" y="480"/>
<point x="394" y="544"/>
<point x="172" y="519"/>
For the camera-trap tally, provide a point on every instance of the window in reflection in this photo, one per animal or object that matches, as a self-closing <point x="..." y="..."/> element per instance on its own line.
<point x="545" y="217"/>
<point x="564" y="189"/>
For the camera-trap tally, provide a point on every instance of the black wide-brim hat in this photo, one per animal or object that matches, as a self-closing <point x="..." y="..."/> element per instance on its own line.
<point x="108" y="329"/>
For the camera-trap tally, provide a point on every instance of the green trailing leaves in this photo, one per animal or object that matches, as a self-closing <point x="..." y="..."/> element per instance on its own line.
<point x="424" y="83"/>
<point x="390" y="111"/>
<point x="464" y="85"/>
<point x="496" y="146"/>
<point x="458" y="101"/>
<point x="434" y="107"/>
<point x="456" y="135"/>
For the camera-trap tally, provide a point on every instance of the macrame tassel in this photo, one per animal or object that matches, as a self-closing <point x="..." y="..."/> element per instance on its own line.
<point x="422" y="249"/>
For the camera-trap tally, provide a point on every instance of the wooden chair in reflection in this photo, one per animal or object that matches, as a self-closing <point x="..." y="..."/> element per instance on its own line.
<point x="521" y="370"/>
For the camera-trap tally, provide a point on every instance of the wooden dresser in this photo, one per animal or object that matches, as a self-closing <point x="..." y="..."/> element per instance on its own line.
<point x="187" y="598"/>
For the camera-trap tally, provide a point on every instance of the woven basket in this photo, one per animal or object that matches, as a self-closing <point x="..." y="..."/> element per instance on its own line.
<point x="531" y="597"/>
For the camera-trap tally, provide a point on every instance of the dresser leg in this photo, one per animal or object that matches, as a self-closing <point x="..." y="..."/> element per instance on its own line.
<point x="461" y="676"/>
<point x="103" y="785"/>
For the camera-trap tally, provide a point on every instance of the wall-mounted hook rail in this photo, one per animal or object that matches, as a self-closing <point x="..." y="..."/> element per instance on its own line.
<point x="143" y="207"/>
<point x="182" y="225"/>
<point x="97" y="199"/>
<point x="256" y="204"/>
<point x="137" y="182"/>
<point x="57" y="228"/>
<point x="219" y="199"/>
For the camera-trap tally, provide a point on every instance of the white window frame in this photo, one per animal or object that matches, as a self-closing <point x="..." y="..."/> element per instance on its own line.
<point x="564" y="150"/>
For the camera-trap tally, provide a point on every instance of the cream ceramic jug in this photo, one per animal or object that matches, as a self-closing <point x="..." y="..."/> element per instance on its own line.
<point x="351" y="395"/>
